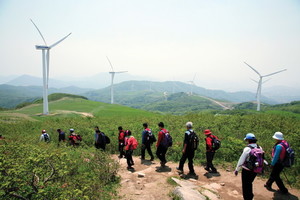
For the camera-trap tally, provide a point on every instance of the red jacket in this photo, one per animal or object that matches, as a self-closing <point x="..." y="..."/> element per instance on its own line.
<point x="208" y="141"/>
<point x="121" y="137"/>
<point x="160" y="136"/>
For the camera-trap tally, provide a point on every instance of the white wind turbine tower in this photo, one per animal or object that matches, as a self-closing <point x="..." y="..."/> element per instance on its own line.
<point x="166" y="96"/>
<point x="260" y="82"/>
<point x="112" y="81"/>
<point x="46" y="60"/>
<point x="192" y="83"/>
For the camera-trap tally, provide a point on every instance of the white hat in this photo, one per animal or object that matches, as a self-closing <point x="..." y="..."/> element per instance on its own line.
<point x="278" y="136"/>
<point x="72" y="130"/>
<point x="189" y="124"/>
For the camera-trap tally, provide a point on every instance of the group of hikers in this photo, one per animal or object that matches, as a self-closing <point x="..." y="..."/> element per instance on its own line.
<point x="74" y="139"/>
<point x="251" y="160"/>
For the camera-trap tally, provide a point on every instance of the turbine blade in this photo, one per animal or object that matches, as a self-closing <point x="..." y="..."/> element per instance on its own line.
<point x="110" y="64"/>
<point x="121" y="72"/>
<point x="48" y="61"/>
<point x="274" y="73"/>
<point x="266" y="80"/>
<point x="253" y="69"/>
<point x="59" y="41"/>
<point x="39" y="32"/>
<point x="254" y="80"/>
<point x="194" y="77"/>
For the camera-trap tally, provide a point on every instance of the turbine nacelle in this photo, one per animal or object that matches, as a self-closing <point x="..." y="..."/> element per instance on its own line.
<point x="41" y="47"/>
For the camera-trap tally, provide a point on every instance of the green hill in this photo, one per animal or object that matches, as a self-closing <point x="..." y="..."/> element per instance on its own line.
<point x="131" y="92"/>
<point x="182" y="103"/>
<point x="22" y="128"/>
<point x="66" y="104"/>
<point x="11" y="96"/>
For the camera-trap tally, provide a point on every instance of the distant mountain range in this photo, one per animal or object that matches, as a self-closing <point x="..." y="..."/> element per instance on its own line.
<point x="139" y="93"/>
<point x="131" y="93"/>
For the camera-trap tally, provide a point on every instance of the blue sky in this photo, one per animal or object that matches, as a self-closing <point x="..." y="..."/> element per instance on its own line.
<point x="162" y="39"/>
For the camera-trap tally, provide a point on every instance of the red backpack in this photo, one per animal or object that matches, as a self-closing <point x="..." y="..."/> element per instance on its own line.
<point x="134" y="143"/>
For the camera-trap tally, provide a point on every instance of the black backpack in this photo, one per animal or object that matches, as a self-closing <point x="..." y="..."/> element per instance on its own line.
<point x="46" y="137"/>
<point x="216" y="143"/>
<point x="194" y="140"/>
<point x="107" y="139"/>
<point x="150" y="137"/>
<point x="102" y="138"/>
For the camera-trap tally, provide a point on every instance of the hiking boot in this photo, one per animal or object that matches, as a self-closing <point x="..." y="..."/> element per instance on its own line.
<point x="192" y="174"/>
<point x="207" y="169"/>
<point x="214" y="171"/>
<point x="268" y="187"/>
<point x="151" y="159"/>
<point x="162" y="164"/>
<point x="180" y="171"/>
<point x="283" y="192"/>
<point x="130" y="168"/>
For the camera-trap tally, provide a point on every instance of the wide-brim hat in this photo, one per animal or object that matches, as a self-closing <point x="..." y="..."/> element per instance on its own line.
<point x="278" y="136"/>
<point x="207" y="132"/>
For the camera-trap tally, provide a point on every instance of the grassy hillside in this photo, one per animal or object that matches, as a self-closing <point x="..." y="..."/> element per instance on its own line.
<point x="230" y="128"/>
<point x="11" y="96"/>
<point x="182" y="103"/>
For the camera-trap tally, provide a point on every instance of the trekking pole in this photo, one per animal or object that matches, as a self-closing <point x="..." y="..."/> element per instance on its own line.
<point x="287" y="179"/>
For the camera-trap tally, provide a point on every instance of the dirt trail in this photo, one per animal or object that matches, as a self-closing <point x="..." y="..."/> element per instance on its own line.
<point x="154" y="185"/>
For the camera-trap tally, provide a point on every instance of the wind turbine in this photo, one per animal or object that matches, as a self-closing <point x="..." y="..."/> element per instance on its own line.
<point x="166" y="96"/>
<point x="112" y="81"/>
<point x="46" y="60"/>
<point x="260" y="82"/>
<point x="192" y="83"/>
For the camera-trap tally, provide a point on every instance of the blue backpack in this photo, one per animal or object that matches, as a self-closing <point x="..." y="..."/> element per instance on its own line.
<point x="167" y="140"/>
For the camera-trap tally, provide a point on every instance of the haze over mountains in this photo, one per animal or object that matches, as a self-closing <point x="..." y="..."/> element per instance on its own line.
<point x="136" y="93"/>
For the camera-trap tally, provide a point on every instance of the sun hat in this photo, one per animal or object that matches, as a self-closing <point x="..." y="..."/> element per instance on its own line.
<point x="207" y="132"/>
<point x="189" y="124"/>
<point x="250" y="136"/>
<point x="278" y="136"/>
<point x="72" y="130"/>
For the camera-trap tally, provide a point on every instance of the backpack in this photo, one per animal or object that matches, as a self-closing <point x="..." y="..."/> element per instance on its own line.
<point x="289" y="157"/>
<point x="167" y="140"/>
<point x="194" y="140"/>
<point x="107" y="139"/>
<point x="255" y="160"/>
<point x="150" y="136"/>
<point x="216" y="143"/>
<point x="77" y="139"/>
<point x="101" y="138"/>
<point x="134" y="143"/>
<point x="46" y="137"/>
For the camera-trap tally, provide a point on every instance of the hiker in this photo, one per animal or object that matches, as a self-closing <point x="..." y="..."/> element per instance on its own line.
<point x="121" y="139"/>
<point x="210" y="151"/>
<point x="162" y="144"/>
<point x="61" y="136"/>
<point x="278" y="155"/>
<point x="44" y="136"/>
<point x="188" y="152"/>
<point x="147" y="141"/>
<point x="130" y="145"/>
<point x="249" y="172"/>
<point x="100" y="139"/>
<point x="74" y="138"/>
